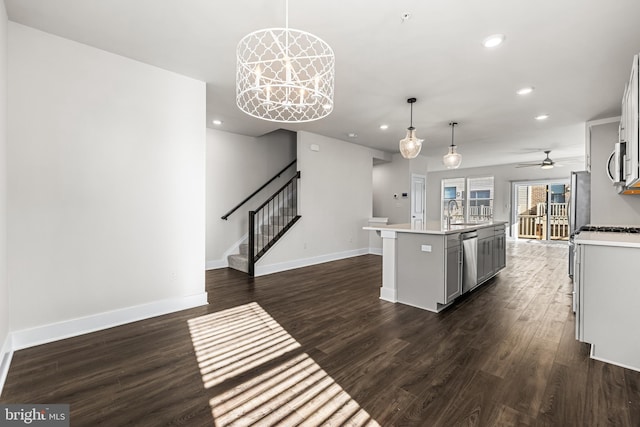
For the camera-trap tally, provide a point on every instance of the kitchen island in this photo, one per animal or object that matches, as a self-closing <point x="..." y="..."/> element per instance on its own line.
<point x="429" y="267"/>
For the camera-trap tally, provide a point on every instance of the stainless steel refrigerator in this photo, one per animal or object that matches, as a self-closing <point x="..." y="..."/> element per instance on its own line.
<point x="579" y="207"/>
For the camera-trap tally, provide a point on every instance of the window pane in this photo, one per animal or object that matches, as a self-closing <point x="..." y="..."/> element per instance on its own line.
<point x="480" y="199"/>
<point x="453" y="192"/>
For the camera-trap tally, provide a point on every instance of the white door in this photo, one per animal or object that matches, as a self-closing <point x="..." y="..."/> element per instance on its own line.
<point x="418" y="200"/>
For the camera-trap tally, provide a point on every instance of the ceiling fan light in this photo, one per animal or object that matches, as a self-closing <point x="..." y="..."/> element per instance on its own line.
<point x="452" y="159"/>
<point x="411" y="145"/>
<point x="546" y="166"/>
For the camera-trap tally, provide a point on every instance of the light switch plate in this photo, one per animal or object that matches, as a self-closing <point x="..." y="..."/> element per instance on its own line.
<point x="426" y="248"/>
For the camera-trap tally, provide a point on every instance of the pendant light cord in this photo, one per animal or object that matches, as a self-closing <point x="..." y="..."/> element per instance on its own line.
<point x="411" y="101"/>
<point x="453" y="125"/>
<point x="411" y="120"/>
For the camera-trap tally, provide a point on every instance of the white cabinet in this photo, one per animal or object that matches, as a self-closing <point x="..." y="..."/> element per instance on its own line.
<point x="607" y="295"/>
<point x="491" y="252"/>
<point x="453" y="268"/>
<point x="630" y="129"/>
<point x="499" y="248"/>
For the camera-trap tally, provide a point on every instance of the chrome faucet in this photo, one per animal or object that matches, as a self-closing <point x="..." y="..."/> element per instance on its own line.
<point x="449" y="212"/>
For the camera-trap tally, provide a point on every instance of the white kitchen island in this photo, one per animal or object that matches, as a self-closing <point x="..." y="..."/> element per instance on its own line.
<point x="429" y="267"/>
<point x="607" y="293"/>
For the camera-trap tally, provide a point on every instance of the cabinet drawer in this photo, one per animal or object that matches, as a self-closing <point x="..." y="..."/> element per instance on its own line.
<point x="483" y="233"/>
<point x="453" y="240"/>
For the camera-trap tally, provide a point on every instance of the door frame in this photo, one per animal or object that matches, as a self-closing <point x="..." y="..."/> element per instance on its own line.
<point x="412" y="218"/>
<point x="514" y="200"/>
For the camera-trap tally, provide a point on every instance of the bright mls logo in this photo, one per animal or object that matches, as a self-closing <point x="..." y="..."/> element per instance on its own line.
<point x="34" y="415"/>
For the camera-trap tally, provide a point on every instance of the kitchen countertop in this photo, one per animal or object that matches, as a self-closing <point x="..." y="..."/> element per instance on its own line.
<point x="434" y="227"/>
<point x="602" y="238"/>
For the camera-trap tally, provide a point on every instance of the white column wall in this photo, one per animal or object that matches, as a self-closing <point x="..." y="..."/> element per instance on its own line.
<point x="106" y="201"/>
<point x="4" y="287"/>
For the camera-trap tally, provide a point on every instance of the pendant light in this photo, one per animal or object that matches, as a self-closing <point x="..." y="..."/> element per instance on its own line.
<point x="410" y="146"/>
<point x="452" y="159"/>
<point x="284" y="75"/>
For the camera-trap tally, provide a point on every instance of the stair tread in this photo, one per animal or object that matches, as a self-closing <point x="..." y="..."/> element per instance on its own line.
<point x="240" y="261"/>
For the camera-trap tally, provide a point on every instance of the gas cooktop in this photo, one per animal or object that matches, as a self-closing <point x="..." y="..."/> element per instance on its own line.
<point x="610" y="229"/>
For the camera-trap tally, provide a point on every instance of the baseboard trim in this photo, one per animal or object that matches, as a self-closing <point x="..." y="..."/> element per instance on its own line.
<point x="601" y="359"/>
<point x="70" y="328"/>
<point x="6" y="354"/>
<point x="263" y="270"/>
<point x="388" y="295"/>
<point x="217" y="263"/>
<point x="375" y="251"/>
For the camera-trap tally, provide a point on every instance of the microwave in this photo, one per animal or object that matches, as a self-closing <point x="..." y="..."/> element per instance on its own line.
<point x="623" y="167"/>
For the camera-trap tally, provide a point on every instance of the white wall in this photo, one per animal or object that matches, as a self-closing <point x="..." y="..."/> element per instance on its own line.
<point x="4" y="288"/>
<point x="395" y="178"/>
<point x="335" y="194"/>
<point x="503" y="175"/>
<point x="105" y="182"/>
<point x="607" y="206"/>
<point x="238" y="165"/>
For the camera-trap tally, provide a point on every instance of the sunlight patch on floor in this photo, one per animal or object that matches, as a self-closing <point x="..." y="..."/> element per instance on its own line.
<point x="231" y="343"/>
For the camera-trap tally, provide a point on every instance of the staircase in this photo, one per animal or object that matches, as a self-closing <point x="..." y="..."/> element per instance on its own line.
<point x="267" y="224"/>
<point x="276" y="224"/>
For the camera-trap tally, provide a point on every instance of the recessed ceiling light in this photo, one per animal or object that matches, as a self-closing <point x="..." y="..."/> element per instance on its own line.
<point x="384" y="127"/>
<point x="525" y="90"/>
<point x="217" y="122"/>
<point x="352" y="135"/>
<point x="493" y="41"/>
<point x="542" y="117"/>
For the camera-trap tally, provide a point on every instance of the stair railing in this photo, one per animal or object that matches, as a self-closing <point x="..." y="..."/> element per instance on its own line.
<point x="271" y="220"/>
<point x="276" y="176"/>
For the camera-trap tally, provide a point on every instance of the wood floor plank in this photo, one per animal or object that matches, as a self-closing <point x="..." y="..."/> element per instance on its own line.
<point x="503" y="355"/>
<point x="606" y="402"/>
<point x="564" y="399"/>
<point x="525" y="382"/>
<point x="632" y="381"/>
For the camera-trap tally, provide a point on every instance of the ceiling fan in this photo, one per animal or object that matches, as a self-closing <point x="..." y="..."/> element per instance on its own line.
<point x="547" y="163"/>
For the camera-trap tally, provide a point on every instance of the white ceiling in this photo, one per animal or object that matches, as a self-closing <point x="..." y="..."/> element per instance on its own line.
<point x="577" y="54"/>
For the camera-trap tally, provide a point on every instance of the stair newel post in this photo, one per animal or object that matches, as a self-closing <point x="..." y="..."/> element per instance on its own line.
<point x="252" y="242"/>
<point x="295" y="193"/>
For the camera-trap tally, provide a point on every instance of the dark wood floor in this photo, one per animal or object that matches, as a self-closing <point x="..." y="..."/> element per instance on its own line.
<point x="503" y="355"/>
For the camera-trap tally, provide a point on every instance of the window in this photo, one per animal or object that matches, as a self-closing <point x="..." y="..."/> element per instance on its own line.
<point x="453" y="199"/>
<point x="467" y="199"/>
<point x="480" y="199"/>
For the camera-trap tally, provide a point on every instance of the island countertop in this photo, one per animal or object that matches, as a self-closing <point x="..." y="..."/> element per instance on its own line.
<point x="434" y="227"/>
<point x="603" y="238"/>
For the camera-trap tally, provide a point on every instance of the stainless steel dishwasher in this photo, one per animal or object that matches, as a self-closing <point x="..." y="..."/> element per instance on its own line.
<point x="470" y="260"/>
